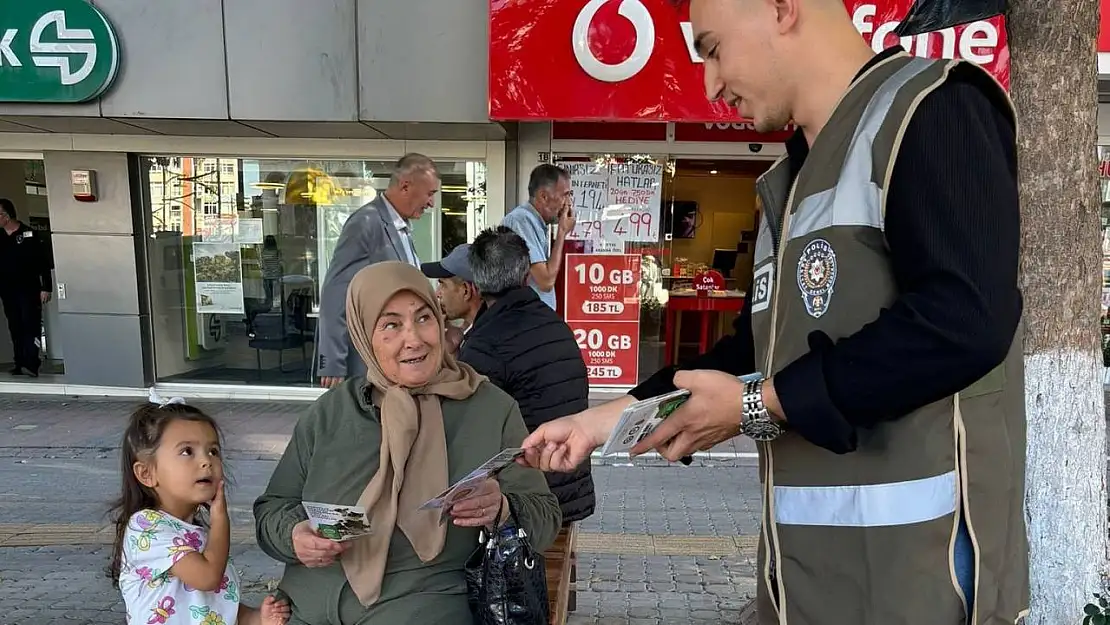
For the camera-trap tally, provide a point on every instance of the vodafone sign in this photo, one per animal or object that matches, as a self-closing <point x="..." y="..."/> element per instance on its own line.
<point x="634" y="60"/>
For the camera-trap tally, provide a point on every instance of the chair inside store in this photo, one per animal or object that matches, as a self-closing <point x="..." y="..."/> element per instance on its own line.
<point x="281" y="330"/>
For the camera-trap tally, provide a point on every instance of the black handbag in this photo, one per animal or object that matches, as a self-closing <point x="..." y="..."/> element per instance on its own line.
<point x="506" y="582"/>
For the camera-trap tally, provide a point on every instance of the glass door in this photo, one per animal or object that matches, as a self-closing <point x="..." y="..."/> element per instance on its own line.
<point x="23" y="183"/>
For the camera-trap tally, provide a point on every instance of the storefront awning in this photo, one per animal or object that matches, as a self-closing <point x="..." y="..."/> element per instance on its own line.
<point x="410" y="131"/>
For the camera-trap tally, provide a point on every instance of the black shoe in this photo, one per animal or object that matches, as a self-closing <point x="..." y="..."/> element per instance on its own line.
<point x="16" y="371"/>
<point x="33" y="374"/>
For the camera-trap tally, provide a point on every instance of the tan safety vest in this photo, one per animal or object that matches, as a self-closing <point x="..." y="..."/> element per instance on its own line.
<point x="866" y="538"/>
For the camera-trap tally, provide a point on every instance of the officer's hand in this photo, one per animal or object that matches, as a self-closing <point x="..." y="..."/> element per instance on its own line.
<point x="330" y="382"/>
<point x="711" y="415"/>
<point x="44" y="296"/>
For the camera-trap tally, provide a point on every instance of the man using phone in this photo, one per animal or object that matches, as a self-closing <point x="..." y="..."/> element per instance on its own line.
<point x="549" y="199"/>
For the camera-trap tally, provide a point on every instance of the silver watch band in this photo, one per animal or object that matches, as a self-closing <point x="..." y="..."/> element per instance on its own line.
<point x="757" y="422"/>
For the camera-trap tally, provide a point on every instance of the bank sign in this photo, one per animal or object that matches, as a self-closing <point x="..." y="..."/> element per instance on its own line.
<point x="57" y="51"/>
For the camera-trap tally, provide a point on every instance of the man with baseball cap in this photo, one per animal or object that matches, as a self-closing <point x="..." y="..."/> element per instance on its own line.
<point x="456" y="291"/>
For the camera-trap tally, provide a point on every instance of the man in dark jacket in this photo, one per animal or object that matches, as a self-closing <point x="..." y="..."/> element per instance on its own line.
<point x="524" y="348"/>
<point x="24" y="287"/>
<point x="527" y="350"/>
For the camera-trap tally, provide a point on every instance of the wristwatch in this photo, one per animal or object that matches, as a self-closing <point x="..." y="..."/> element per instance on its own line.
<point x="756" y="423"/>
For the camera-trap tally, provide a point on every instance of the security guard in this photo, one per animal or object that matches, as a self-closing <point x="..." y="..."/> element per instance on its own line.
<point x="24" y="287"/>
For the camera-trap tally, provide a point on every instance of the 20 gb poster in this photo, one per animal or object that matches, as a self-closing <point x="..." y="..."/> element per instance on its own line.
<point x="602" y="308"/>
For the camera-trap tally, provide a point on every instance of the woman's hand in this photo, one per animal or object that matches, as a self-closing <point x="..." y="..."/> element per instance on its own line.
<point x="314" y="551"/>
<point x="481" y="507"/>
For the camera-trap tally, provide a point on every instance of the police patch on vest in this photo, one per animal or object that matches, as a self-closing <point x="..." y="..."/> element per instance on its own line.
<point x="763" y="283"/>
<point x="817" y="276"/>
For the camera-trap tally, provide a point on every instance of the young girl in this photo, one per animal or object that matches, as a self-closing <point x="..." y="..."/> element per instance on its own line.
<point x="172" y="567"/>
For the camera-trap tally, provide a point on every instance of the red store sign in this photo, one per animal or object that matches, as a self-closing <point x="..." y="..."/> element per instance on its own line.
<point x="732" y="132"/>
<point x="1104" y="26"/>
<point x="602" y="308"/>
<point x="707" y="282"/>
<point x="614" y="60"/>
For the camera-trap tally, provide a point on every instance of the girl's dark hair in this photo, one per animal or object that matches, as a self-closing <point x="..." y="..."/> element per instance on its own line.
<point x="141" y="439"/>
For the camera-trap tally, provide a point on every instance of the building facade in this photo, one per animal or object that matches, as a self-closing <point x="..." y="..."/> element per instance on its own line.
<point x="193" y="163"/>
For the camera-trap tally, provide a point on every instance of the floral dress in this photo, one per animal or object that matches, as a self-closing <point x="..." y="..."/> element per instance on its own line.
<point x="154" y="542"/>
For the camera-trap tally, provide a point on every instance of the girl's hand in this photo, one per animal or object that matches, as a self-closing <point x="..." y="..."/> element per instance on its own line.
<point x="481" y="507"/>
<point x="218" y="506"/>
<point x="313" y="550"/>
<point x="274" y="611"/>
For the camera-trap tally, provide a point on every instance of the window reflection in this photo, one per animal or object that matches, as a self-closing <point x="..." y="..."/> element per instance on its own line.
<point x="239" y="248"/>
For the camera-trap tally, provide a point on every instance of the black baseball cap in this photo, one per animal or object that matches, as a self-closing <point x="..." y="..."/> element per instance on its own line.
<point x="454" y="265"/>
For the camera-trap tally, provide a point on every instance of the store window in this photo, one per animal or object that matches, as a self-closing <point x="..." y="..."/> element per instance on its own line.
<point x="664" y="221"/>
<point x="239" y="248"/>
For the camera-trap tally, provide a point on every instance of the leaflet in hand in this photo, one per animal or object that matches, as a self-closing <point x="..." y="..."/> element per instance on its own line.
<point x="338" y="523"/>
<point x="640" y="418"/>
<point x="464" y="487"/>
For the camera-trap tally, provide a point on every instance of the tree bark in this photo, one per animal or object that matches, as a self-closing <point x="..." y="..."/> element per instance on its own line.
<point x="1054" y="86"/>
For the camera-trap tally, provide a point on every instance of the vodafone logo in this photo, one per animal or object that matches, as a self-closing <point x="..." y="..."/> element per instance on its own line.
<point x="978" y="41"/>
<point x="638" y="15"/>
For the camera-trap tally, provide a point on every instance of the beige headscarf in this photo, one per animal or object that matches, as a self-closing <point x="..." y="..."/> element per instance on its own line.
<point x="412" y="427"/>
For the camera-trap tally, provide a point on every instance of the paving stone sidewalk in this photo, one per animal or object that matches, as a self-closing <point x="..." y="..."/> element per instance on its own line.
<point x="668" y="544"/>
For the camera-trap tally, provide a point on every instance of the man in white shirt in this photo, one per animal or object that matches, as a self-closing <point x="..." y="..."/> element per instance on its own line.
<point x="549" y="202"/>
<point x="378" y="232"/>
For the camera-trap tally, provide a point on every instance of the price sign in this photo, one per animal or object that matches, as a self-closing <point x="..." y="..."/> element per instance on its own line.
<point x="602" y="287"/>
<point x="611" y="350"/>
<point x="616" y="203"/>
<point x="602" y="306"/>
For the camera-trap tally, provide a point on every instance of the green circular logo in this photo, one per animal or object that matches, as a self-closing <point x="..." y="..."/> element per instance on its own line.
<point x="62" y="51"/>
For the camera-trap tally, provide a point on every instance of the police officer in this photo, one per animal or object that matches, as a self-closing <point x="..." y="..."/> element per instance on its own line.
<point x="24" y="286"/>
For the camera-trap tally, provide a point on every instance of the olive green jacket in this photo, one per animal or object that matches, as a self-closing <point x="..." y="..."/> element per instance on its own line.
<point x="333" y="454"/>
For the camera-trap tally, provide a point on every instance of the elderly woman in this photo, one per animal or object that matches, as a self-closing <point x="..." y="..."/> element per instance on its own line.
<point x="419" y="422"/>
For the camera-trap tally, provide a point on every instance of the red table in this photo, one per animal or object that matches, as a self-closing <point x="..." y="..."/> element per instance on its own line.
<point x="706" y="306"/>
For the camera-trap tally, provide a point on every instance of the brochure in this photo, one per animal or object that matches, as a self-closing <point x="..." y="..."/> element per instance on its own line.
<point x="338" y="523"/>
<point x="640" y="418"/>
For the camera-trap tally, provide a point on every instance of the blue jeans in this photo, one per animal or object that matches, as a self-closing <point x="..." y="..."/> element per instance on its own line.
<point x="964" y="562"/>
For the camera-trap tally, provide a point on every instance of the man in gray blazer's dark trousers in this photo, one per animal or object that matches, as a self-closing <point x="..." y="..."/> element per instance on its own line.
<point x="377" y="232"/>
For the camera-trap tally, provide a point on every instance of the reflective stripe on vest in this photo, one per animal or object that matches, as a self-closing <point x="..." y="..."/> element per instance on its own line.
<point x="854" y="202"/>
<point x="873" y="505"/>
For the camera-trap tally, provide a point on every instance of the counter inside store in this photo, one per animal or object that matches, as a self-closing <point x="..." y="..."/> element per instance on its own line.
<point x="713" y="311"/>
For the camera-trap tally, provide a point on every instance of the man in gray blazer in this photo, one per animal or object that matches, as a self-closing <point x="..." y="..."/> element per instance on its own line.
<point x="377" y="232"/>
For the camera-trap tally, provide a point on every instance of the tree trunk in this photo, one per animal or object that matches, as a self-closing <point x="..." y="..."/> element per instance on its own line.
<point x="1054" y="86"/>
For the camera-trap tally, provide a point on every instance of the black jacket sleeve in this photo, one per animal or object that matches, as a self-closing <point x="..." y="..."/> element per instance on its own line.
<point x="42" y="252"/>
<point x="952" y="226"/>
<point x="733" y="354"/>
